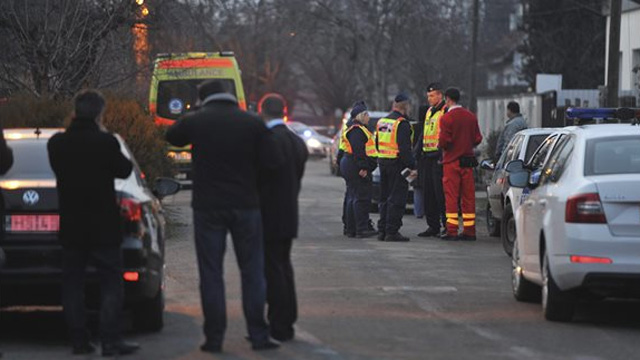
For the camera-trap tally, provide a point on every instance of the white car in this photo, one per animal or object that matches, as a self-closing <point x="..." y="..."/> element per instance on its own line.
<point x="578" y="226"/>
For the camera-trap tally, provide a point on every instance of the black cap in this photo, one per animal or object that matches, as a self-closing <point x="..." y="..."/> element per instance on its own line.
<point x="401" y="97"/>
<point x="358" y="107"/>
<point x="453" y="94"/>
<point x="434" y="86"/>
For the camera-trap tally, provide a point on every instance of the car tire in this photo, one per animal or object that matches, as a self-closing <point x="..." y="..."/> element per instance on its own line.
<point x="493" y="224"/>
<point x="557" y="305"/>
<point x="523" y="289"/>
<point x="148" y="316"/>
<point x="508" y="229"/>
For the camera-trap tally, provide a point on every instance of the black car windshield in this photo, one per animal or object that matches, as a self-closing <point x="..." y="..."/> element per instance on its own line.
<point x="176" y="97"/>
<point x="620" y="155"/>
<point x="30" y="161"/>
<point x="534" y="143"/>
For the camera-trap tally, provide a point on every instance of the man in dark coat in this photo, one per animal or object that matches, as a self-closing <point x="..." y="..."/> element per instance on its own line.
<point x="229" y="148"/>
<point x="279" y="191"/>
<point x="86" y="160"/>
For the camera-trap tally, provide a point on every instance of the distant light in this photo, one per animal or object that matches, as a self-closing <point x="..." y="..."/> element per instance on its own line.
<point x="131" y="276"/>
<point x="140" y="2"/>
<point x="11" y="185"/>
<point x="307" y="133"/>
<point x="14" y="136"/>
<point x="145" y="11"/>
<point x="285" y="119"/>
<point x="292" y="34"/>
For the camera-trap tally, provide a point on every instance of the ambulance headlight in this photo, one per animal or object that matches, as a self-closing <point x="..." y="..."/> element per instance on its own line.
<point x="314" y="143"/>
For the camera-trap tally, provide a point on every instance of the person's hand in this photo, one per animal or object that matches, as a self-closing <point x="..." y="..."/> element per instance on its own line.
<point x="363" y="173"/>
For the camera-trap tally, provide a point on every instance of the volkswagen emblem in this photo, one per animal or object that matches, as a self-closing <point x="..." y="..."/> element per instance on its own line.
<point x="30" y="197"/>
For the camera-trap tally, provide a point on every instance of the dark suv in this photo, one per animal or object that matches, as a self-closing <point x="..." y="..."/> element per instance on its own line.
<point x="32" y="272"/>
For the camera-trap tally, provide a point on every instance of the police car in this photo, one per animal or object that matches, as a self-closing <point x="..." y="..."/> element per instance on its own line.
<point x="578" y="230"/>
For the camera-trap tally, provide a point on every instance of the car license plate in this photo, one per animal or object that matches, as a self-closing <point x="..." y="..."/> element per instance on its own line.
<point x="32" y="223"/>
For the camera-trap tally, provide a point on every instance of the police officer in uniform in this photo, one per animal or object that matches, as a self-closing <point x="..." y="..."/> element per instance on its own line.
<point x="429" y="161"/>
<point x="459" y="134"/>
<point x="356" y="166"/>
<point x="394" y="144"/>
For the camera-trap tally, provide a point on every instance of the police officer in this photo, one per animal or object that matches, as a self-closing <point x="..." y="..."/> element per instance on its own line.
<point x="393" y="140"/>
<point x="459" y="134"/>
<point x="429" y="164"/>
<point x="356" y="166"/>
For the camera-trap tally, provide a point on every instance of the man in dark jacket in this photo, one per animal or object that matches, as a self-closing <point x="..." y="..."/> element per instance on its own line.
<point x="86" y="160"/>
<point x="279" y="191"/>
<point x="229" y="148"/>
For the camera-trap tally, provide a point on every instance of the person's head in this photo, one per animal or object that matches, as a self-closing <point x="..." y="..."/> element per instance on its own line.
<point x="402" y="104"/>
<point x="212" y="87"/>
<point x="359" y="112"/>
<point x="271" y="106"/>
<point x="513" y="109"/>
<point x="434" y="94"/>
<point x="452" y="96"/>
<point x="89" y="105"/>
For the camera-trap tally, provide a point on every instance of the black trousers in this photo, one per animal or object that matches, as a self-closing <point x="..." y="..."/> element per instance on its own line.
<point x="281" y="290"/>
<point x="394" y="190"/>
<point x="108" y="262"/>
<point x="358" y="198"/>
<point x="433" y="192"/>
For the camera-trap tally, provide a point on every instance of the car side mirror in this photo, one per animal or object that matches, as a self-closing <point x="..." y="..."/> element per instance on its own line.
<point x="519" y="179"/>
<point x="487" y="164"/>
<point x="164" y="187"/>
<point x="515" y="166"/>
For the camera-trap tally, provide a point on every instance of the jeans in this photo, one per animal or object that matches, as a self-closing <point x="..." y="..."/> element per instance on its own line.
<point x="108" y="262"/>
<point x="358" y="200"/>
<point x="211" y="229"/>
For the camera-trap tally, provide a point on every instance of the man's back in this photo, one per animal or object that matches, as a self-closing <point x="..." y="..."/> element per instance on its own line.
<point x="229" y="145"/>
<point x="86" y="161"/>
<point x="459" y="134"/>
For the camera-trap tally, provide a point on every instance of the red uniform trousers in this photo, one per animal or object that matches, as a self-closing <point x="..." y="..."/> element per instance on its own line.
<point x="458" y="183"/>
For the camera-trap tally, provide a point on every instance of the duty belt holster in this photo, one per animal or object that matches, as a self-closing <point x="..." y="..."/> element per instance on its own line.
<point x="468" y="162"/>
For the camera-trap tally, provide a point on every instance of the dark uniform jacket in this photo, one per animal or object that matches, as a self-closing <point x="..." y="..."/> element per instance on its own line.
<point x="6" y="161"/>
<point x="279" y="188"/>
<point x="229" y="147"/>
<point x="86" y="162"/>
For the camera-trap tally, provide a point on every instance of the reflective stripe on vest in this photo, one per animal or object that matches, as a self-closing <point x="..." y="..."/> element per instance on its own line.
<point x="370" y="146"/>
<point x="343" y="139"/>
<point x="432" y="130"/>
<point x="387" y="135"/>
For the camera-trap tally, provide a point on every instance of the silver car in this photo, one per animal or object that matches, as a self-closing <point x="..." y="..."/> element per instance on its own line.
<point x="578" y="226"/>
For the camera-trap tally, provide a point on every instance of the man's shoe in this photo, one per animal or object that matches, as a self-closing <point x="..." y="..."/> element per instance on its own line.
<point x="84" y="349"/>
<point x="351" y="235"/>
<point x="448" y="237"/>
<point x="282" y="337"/>
<point x="371" y="227"/>
<point x="366" y="234"/>
<point x="211" y="348"/>
<point x="396" y="238"/>
<point x="429" y="232"/>
<point x="381" y="236"/>
<point x="119" y="348"/>
<point x="464" y="237"/>
<point x="268" y="345"/>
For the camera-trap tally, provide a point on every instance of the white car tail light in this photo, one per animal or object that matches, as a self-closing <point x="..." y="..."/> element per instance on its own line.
<point x="585" y="208"/>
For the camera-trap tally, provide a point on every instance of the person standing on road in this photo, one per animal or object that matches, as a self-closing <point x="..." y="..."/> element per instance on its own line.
<point x="429" y="161"/>
<point x="356" y="166"/>
<point x="515" y="122"/>
<point x="459" y="134"/>
<point x="6" y="161"/>
<point x="394" y="141"/>
<point x="229" y="148"/>
<point x="86" y="161"/>
<point x="279" y="190"/>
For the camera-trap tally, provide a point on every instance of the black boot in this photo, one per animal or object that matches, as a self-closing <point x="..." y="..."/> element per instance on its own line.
<point x="396" y="238"/>
<point x="119" y="348"/>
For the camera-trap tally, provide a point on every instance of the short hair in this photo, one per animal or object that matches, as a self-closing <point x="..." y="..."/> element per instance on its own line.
<point x="89" y="104"/>
<point x="514" y="107"/>
<point x="211" y="87"/>
<point x="453" y="94"/>
<point x="272" y="106"/>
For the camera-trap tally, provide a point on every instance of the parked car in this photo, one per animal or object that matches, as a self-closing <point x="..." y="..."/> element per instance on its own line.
<point x="578" y="226"/>
<point x="33" y="269"/>
<point x="318" y="145"/>
<point x="501" y="207"/>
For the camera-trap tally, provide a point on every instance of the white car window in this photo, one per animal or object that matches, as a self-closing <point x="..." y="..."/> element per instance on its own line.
<point x="557" y="162"/>
<point x="607" y="156"/>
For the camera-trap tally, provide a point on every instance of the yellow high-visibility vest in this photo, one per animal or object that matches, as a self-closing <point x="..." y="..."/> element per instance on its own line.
<point x="343" y="139"/>
<point x="370" y="147"/>
<point x="432" y="129"/>
<point x="387" y="135"/>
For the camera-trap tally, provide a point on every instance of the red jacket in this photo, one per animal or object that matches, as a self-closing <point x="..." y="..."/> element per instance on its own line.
<point x="459" y="134"/>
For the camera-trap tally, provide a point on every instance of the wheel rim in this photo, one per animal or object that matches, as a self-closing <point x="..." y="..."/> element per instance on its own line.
<point x="545" y="282"/>
<point x="516" y="272"/>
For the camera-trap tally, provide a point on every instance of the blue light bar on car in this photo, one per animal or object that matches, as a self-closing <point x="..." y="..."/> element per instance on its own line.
<point x="603" y="113"/>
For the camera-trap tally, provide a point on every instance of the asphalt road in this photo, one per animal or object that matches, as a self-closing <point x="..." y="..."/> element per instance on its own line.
<point x="363" y="299"/>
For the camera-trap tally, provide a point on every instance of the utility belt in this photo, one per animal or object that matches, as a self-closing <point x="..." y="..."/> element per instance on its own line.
<point x="468" y="161"/>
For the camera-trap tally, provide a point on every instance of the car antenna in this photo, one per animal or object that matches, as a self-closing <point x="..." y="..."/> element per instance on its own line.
<point x="38" y="132"/>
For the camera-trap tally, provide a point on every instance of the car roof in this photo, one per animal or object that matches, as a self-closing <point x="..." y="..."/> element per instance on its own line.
<point x="606" y="130"/>
<point x="30" y="133"/>
<point x="537" y="131"/>
<point x="378" y="114"/>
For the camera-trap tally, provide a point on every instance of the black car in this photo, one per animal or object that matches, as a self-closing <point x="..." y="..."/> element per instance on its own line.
<point x="32" y="271"/>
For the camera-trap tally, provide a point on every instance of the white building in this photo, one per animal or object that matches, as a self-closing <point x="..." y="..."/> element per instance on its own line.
<point x="629" y="48"/>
